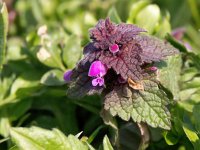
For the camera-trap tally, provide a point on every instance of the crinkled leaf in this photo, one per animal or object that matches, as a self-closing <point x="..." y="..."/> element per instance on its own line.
<point x="81" y="84"/>
<point x="153" y="49"/>
<point x="3" y="31"/>
<point x="126" y="63"/>
<point x="107" y="32"/>
<point x="53" y="78"/>
<point x="127" y="32"/>
<point x="143" y="106"/>
<point x="35" y="138"/>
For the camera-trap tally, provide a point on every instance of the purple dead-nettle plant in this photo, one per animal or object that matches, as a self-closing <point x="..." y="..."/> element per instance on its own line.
<point x="119" y="64"/>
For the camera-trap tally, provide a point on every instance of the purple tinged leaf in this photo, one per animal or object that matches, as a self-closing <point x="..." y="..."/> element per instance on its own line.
<point x="147" y="106"/>
<point x="97" y="69"/>
<point x="126" y="32"/>
<point x="153" y="49"/>
<point x="121" y="80"/>
<point x="91" y="53"/>
<point x="81" y="83"/>
<point x="127" y="62"/>
<point x="106" y="33"/>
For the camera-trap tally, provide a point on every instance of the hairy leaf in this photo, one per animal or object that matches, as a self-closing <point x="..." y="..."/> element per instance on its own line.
<point x="143" y="106"/>
<point x="126" y="63"/>
<point x="154" y="49"/>
<point x="106" y="33"/>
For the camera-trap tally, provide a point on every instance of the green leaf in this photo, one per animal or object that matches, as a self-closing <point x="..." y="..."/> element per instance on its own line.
<point x="72" y="51"/>
<point x="148" y="18"/>
<point x="170" y="138"/>
<point x="76" y="144"/>
<point x="143" y="106"/>
<point x="169" y="74"/>
<point x="106" y="144"/>
<point x="3" y="31"/>
<point x="50" y="57"/>
<point x="164" y="27"/>
<point x="114" y="15"/>
<point x="111" y="121"/>
<point x="53" y="78"/>
<point x="196" y="115"/>
<point x="14" y="49"/>
<point x="16" y="110"/>
<point x="4" y="124"/>
<point x="94" y="134"/>
<point x="135" y="8"/>
<point x="130" y="136"/>
<point x="35" y="138"/>
<point x="23" y="87"/>
<point x="192" y="136"/>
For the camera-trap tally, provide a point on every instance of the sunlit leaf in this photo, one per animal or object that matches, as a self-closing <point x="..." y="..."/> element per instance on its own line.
<point x="142" y="106"/>
<point x="106" y="144"/>
<point x="148" y="18"/>
<point x="72" y="51"/>
<point x="35" y="138"/>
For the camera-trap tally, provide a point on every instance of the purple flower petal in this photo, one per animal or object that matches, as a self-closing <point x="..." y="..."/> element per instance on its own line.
<point x="97" y="81"/>
<point x="114" y="48"/>
<point x="67" y="76"/>
<point x="97" y="69"/>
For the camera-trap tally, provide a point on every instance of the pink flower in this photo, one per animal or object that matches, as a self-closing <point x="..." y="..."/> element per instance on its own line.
<point x="97" y="70"/>
<point x="67" y="76"/>
<point x="98" y="80"/>
<point x="114" y="48"/>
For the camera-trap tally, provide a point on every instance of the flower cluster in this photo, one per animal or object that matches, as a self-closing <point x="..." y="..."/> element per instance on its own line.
<point x="118" y="54"/>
